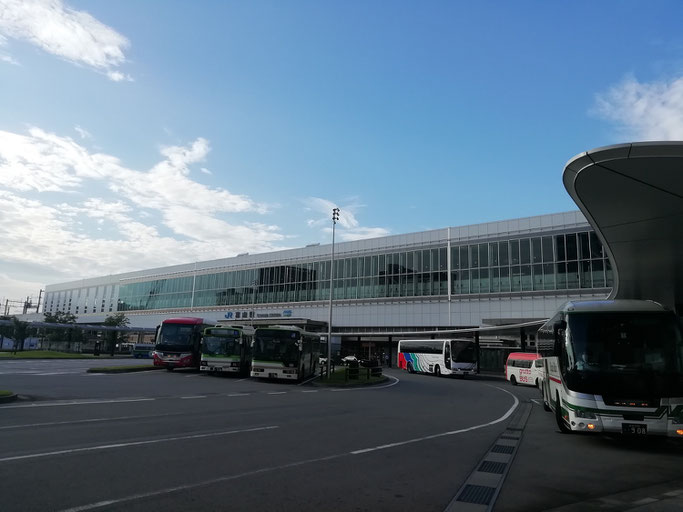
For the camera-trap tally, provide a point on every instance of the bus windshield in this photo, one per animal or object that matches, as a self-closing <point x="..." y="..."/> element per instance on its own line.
<point x="276" y="345"/>
<point x="463" y="352"/>
<point x="628" y="354"/>
<point x="220" y="346"/>
<point x="176" y="334"/>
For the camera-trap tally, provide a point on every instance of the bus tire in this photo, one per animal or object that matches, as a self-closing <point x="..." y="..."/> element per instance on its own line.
<point x="564" y="429"/>
<point x="513" y="380"/>
<point x="437" y="371"/>
<point x="410" y="368"/>
<point x="169" y="368"/>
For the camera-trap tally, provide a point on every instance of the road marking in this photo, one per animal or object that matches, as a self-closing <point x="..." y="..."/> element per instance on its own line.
<point x="443" y="434"/>
<point x="134" y="443"/>
<point x="536" y="401"/>
<point x="310" y="391"/>
<point x="192" y="397"/>
<point x="186" y="487"/>
<point x="80" y="402"/>
<point x="193" y="375"/>
<point x="92" y="420"/>
<point x="277" y="393"/>
<point x="239" y="394"/>
<point x="307" y="381"/>
<point x="369" y="388"/>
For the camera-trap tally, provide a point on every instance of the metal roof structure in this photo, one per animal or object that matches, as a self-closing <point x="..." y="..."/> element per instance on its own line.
<point x="632" y="195"/>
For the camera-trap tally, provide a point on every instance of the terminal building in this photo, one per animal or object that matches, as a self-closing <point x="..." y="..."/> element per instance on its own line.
<point x="490" y="274"/>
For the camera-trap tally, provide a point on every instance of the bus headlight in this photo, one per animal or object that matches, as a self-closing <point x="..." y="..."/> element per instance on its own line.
<point x="585" y="414"/>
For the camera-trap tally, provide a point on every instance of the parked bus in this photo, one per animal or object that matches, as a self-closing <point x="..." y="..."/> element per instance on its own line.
<point x="440" y="357"/>
<point x="284" y="352"/>
<point x="524" y="368"/>
<point x="614" y="366"/>
<point x="178" y="343"/>
<point x="227" y="349"/>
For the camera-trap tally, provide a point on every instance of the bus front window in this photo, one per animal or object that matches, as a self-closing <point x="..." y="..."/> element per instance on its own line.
<point x="219" y="346"/>
<point x="175" y="334"/>
<point x="278" y="346"/>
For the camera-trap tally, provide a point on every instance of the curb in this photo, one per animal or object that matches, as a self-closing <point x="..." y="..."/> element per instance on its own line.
<point x="8" y="398"/>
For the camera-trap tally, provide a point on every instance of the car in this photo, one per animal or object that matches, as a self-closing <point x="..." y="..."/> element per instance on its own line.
<point x="346" y="360"/>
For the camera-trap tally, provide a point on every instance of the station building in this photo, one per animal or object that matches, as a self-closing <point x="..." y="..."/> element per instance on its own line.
<point x="488" y="274"/>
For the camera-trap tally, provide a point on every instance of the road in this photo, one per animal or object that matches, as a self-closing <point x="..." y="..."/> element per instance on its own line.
<point x="188" y="441"/>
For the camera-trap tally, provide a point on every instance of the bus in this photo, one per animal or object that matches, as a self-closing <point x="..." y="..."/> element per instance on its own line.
<point x="614" y="366"/>
<point x="227" y="349"/>
<point x="178" y="343"/>
<point x="284" y="352"/>
<point x="524" y="368"/>
<point x="440" y="357"/>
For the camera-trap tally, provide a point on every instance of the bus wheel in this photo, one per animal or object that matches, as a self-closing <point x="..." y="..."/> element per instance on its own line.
<point x="564" y="429"/>
<point x="437" y="371"/>
<point x="169" y="368"/>
<point x="513" y="380"/>
<point x="410" y="368"/>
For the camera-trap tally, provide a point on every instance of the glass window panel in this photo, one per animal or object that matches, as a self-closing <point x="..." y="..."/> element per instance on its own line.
<point x="526" y="278"/>
<point x="483" y="255"/>
<point x="516" y="278"/>
<point x="484" y="281"/>
<point x="417" y="264"/>
<point x="374" y="269"/>
<point x="367" y="267"/>
<point x="382" y="265"/>
<point x="572" y="275"/>
<point x="354" y="267"/>
<point x="426" y="261"/>
<point x="549" y="276"/>
<point x="547" y="249"/>
<point x="455" y="259"/>
<point x="524" y="251"/>
<point x="609" y="276"/>
<point x="597" y="251"/>
<point x="495" y="279"/>
<point x="584" y="248"/>
<point x="474" y="280"/>
<point x="409" y="262"/>
<point x="464" y="257"/>
<point x="493" y="254"/>
<point x="537" y="277"/>
<point x="585" y="274"/>
<point x="598" y="268"/>
<point x="474" y="256"/>
<point x="514" y="252"/>
<point x="505" y="278"/>
<point x="560" y="276"/>
<point x="504" y="253"/>
<point x="402" y="262"/>
<point x="455" y="284"/>
<point x="443" y="260"/>
<point x="536" y="252"/>
<point x="571" y="247"/>
<point x="464" y="281"/>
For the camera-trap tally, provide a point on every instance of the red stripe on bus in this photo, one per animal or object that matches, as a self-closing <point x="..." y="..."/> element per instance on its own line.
<point x="555" y="380"/>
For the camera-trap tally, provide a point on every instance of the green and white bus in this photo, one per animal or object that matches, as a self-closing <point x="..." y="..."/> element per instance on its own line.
<point x="227" y="349"/>
<point x="284" y="352"/>
<point x="614" y="366"/>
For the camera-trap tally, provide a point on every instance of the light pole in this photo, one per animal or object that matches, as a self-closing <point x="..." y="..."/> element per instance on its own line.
<point x="335" y="218"/>
<point x="254" y="286"/>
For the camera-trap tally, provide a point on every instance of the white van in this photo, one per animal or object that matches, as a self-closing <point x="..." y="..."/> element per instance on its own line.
<point x="524" y="368"/>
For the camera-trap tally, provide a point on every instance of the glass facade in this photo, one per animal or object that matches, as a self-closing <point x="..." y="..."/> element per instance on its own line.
<point x="544" y="263"/>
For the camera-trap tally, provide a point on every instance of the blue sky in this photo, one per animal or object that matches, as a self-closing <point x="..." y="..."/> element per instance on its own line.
<point x="137" y="134"/>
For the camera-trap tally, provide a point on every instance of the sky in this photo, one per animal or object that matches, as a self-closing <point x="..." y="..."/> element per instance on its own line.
<point x="144" y="133"/>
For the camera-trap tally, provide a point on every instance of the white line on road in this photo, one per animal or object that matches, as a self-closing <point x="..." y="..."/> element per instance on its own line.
<point x="276" y="392"/>
<point x="191" y="397"/>
<point x="134" y="443"/>
<point x="369" y="388"/>
<point x="79" y="402"/>
<point x="310" y="391"/>
<point x="307" y="381"/>
<point x="170" y="490"/>
<point x="92" y="420"/>
<point x="238" y="394"/>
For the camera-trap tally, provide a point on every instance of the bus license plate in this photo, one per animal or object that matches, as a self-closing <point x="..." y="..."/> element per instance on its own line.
<point x="634" y="429"/>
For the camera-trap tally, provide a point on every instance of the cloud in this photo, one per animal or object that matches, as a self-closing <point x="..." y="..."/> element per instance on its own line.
<point x="75" y="36"/>
<point x="349" y="227"/>
<point x="155" y="218"/>
<point x="205" y="170"/>
<point x="644" y="111"/>
<point x="83" y="133"/>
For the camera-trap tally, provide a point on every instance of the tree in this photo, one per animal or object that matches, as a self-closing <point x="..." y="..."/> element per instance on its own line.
<point x="68" y="335"/>
<point x="20" y="334"/>
<point x="115" y="320"/>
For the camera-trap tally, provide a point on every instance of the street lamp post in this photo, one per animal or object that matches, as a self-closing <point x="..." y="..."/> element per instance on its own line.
<point x="254" y="286"/>
<point x="335" y="218"/>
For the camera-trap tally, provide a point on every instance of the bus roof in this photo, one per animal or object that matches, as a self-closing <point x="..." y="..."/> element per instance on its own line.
<point x="523" y="355"/>
<point x="600" y="306"/>
<point x="184" y="320"/>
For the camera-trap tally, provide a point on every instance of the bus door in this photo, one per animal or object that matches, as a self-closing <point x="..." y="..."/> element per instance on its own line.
<point x="447" y="355"/>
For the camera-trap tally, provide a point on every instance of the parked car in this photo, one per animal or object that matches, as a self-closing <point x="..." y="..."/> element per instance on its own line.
<point x="143" y="350"/>
<point x="346" y="360"/>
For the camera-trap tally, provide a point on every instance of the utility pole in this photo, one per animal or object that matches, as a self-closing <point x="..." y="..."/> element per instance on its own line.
<point x="40" y="296"/>
<point x="335" y="218"/>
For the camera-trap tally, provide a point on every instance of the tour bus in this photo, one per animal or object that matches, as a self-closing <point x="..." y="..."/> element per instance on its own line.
<point x="524" y="368"/>
<point x="284" y="352"/>
<point x="614" y="366"/>
<point x="440" y="357"/>
<point x="227" y="349"/>
<point x="178" y="342"/>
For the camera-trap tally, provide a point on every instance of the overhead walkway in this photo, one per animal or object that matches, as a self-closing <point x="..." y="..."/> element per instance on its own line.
<point x="632" y="195"/>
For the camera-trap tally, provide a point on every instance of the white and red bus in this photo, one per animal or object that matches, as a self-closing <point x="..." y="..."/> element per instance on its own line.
<point x="178" y="343"/>
<point x="524" y="368"/>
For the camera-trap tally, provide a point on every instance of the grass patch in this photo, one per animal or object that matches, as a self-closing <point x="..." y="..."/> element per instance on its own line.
<point x="43" y="354"/>
<point x="125" y="369"/>
<point x="4" y="392"/>
<point x="338" y="379"/>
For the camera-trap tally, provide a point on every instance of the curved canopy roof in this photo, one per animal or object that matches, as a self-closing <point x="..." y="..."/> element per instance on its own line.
<point x="632" y="194"/>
